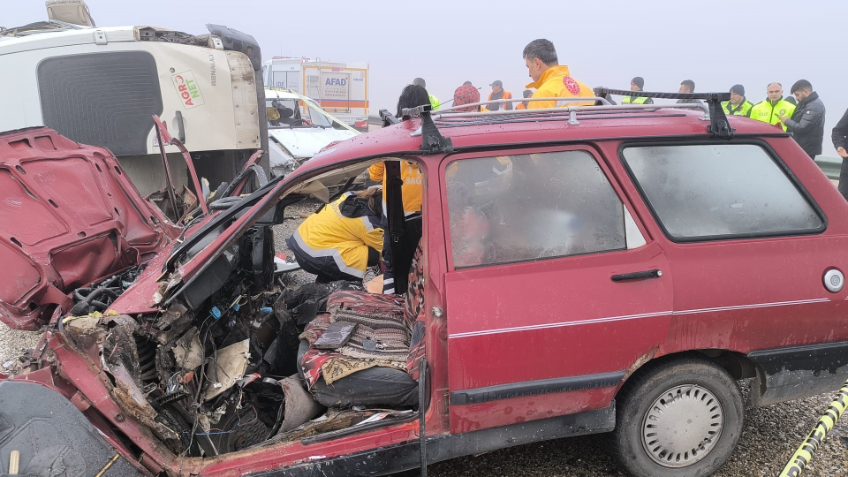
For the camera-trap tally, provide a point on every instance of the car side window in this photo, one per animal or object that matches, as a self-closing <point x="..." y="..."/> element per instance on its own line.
<point x="700" y="192"/>
<point x="528" y="207"/>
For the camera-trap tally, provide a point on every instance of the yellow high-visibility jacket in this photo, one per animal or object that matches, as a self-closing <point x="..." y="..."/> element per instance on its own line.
<point x="411" y="189"/>
<point x="556" y="82"/>
<point x="346" y="239"/>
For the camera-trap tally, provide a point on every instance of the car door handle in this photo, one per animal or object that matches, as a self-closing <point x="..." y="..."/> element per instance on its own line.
<point x="637" y="275"/>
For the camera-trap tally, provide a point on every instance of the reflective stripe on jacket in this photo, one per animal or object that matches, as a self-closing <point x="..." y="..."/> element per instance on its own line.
<point x="743" y="109"/>
<point x="770" y="113"/>
<point x="556" y="82"/>
<point x="328" y="233"/>
<point x="411" y="189"/>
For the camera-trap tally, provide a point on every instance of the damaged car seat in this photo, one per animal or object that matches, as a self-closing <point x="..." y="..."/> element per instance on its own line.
<point x="378" y="365"/>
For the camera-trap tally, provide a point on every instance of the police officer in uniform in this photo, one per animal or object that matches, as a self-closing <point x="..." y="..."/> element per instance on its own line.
<point x="738" y="104"/>
<point x="771" y="109"/>
<point x="636" y="84"/>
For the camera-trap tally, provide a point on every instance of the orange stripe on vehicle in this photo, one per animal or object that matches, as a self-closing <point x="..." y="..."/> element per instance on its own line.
<point x="324" y="103"/>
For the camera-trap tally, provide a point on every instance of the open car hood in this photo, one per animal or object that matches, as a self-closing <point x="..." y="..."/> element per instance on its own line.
<point x="69" y="216"/>
<point x="303" y="143"/>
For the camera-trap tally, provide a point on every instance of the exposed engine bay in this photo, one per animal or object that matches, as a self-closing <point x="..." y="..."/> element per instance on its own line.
<point x="218" y="369"/>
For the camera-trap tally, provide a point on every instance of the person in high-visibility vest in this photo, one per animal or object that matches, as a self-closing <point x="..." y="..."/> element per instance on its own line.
<point x="636" y="84"/>
<point x="771" y="109"/>
<point x="738" y="105"/>
<point x="551" y="79"/>
<point x="498" y="93"/>
<point x="434" y="101"/>
<point x="523" y="105"/>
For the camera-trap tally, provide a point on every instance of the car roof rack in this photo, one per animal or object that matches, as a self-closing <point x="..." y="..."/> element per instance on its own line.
<point x="713" y="112"/>
<point x="433" y="142"/>
<point x="719" y="126"/>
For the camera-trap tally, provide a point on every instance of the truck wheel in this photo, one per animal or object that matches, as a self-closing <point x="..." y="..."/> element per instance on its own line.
<point x="679" y="418"/>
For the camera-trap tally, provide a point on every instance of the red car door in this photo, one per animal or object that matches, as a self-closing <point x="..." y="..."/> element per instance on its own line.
<point x="553" y="291"/>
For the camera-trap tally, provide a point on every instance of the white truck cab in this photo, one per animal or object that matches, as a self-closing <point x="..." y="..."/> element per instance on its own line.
<point x="102" y="86"/>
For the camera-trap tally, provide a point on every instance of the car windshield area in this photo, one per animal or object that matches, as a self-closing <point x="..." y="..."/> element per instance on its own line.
<point x="293" y="113"/>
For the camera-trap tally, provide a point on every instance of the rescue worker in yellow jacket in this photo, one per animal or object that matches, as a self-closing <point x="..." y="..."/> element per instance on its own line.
<point x="396" y="271"/>
<point x="738" y="105"/>
<point x="395" y="274"/>
<point x="772" y="108"/>
<point x="343" y="239"/>
<point x="636" y="84"/>
<point x="551" y="79"/>
<point x="411" y="189"/>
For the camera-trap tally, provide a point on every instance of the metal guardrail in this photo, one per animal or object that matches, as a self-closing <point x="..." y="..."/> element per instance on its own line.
<point x="830" y="166"/>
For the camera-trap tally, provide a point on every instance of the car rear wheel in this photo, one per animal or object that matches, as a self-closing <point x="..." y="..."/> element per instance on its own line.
<point x="679" y="418"/>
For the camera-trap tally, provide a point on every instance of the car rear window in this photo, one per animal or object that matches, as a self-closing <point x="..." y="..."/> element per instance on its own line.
<point x="529" y="207"/>
<point x="702" y="192"/>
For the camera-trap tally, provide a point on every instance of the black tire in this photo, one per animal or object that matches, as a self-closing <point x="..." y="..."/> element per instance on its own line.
<point x="692" y="387"/>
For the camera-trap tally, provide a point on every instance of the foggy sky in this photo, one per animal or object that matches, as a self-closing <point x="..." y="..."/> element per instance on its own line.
<point x="716" y="43"/>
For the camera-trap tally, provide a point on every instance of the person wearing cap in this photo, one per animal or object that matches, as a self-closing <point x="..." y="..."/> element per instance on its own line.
<point x="523" y="105"/>
<point x="636" y="84"/>
<point x="773" y="107"/>
<point x="551" y="79"/>
<point x="738" y="105"/>
<point x="496" y="94"/>
<point x="434" y="101"/>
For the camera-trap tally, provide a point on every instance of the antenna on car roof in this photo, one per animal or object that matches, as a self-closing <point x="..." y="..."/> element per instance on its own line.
<point x="719" y="126"/>
<point x="432" y="141"/>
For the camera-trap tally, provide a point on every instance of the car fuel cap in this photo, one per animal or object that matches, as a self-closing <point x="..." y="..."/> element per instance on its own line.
<point x="833" y="280"/>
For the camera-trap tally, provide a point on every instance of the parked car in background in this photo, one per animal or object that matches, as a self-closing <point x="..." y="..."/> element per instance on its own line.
<point x="581" y="270"/>
<point x="298" y="129"/>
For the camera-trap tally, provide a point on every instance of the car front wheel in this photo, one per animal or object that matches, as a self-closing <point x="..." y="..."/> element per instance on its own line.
<point x="678" y="418"/>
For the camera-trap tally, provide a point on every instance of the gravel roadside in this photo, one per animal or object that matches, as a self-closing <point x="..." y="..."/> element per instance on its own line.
<point x="769" y="438"/>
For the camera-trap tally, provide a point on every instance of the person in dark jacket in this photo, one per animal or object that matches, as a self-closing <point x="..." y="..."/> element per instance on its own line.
<point x="688" y="86"/>
<point x="807" y="122"/>
<point x="840" y="142"/>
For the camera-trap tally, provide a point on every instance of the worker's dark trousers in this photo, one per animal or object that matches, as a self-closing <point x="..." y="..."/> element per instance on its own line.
<point x="396" y="275"/>
<point x="843" y="179"/>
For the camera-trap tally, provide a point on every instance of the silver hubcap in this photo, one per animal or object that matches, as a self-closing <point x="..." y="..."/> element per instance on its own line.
<point x="682" y="426"/>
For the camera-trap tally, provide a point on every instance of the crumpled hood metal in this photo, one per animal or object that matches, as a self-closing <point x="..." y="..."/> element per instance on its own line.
<point x="69" y="216"/>
<point x="304" y="143"/>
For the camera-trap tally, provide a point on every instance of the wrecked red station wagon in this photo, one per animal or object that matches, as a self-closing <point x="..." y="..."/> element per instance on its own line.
<point x="581" y="270"/>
